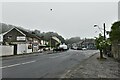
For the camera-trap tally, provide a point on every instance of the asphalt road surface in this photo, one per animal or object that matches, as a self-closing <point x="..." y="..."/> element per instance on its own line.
<point x="42" y="65"/>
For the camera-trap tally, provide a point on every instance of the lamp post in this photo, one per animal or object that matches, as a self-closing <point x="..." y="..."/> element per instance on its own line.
<point x="101" y="29"/>
<point x="104" y="31"/>
<point x="104" y="34"/>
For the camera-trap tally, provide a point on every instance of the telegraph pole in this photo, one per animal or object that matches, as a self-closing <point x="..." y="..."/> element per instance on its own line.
<point x="104" y="38"/>
<point x="104" y="31"/>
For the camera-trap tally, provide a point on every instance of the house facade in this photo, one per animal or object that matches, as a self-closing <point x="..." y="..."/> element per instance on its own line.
<point x="22" y="41"/>
<point x="1" y="39"/>
<point x="87" y="43"/>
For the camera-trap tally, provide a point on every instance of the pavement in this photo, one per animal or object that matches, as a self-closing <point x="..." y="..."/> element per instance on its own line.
<point x="95" y="68"/>
<point x="43" y="65"/>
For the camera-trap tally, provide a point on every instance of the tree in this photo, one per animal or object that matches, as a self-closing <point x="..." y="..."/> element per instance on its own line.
<point x="101" y="44"/>
<point x="115" y="31"/>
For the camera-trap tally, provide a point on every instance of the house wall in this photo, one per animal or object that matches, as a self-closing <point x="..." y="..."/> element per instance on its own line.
<point x="1" y="38"/>
<point x="28" y="50"/>
<point x="35" y="45"/>
<point x="116" y="50"/>
<point x="6" y="50"/>
<point x="12" y="36"/>
<point x="23" y="48"/>
<point x="35" y="48"/>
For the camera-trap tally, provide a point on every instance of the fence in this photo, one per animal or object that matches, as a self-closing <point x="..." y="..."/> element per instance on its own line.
<point x="6" y="50"/>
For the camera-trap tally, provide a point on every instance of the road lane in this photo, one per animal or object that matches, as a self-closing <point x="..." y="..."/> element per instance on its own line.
<point x="46" y="65"/>
<point x="17" y="64"/>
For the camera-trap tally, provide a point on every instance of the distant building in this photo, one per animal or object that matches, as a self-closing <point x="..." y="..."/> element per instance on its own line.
<point x="1" y="39"/>
<point x="87" y="43"/>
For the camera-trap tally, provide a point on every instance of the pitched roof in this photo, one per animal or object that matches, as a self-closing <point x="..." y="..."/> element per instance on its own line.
<point x="11" y="30"/>
<point x="80" y="42"/>
<point x="28" y="33"/>
<point x="5" y="28"/>
<point x="89" y="41"/>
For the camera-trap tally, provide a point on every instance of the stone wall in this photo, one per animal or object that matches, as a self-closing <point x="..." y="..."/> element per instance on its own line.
<point x="116" y="50"/>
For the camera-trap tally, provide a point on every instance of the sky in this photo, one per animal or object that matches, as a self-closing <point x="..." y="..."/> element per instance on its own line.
<point x="68" y="19"/>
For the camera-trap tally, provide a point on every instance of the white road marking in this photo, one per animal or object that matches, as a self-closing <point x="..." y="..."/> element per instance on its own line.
<point x="10" y="66"/>
<point x="17" y="64"/>
<point x="55" y="57"/>
<point x="63" y="76"/>
<point x="28" y="62"/>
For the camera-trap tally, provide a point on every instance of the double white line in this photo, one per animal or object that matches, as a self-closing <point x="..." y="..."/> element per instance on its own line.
<point x="17" y="64"/>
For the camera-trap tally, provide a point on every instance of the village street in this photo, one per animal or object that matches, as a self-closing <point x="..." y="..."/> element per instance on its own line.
<point x="42" y="65"/>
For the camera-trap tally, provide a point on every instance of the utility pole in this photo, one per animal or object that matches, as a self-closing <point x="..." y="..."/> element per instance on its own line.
<point x="104" y="38"/>
<point x="104" y="31"/>
<point x="104" y="50"/>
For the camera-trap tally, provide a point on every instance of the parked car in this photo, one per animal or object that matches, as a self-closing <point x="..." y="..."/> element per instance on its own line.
<point x="74" y="48"/>
<point x="84" y="48"/>
<point x="62" y="47"/>
<point x="46" y="49"/>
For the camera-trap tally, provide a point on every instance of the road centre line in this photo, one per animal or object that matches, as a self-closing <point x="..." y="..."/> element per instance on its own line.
<point x="28" y="62"/>
<point x="56" y="56"/>
<point x="9" y="66"/>
<point x="17" y="64"/>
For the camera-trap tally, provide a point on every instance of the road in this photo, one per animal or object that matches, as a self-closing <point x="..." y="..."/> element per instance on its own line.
<point x="43" y="65"/>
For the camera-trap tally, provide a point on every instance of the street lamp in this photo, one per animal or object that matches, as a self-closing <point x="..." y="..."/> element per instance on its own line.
<point x="102" y="29"/>
<point x="104" y="33"/>
<point x="98" y="27"/>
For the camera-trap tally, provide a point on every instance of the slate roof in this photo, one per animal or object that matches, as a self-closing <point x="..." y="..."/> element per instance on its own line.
<point x="4" y="28"/>
<point x="29" y="33"/>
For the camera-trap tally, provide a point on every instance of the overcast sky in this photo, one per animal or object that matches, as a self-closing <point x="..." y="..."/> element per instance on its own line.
<point x="66" y="18"/>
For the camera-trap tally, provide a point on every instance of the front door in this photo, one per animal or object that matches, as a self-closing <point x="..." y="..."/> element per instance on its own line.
<point x="15" y="49"/>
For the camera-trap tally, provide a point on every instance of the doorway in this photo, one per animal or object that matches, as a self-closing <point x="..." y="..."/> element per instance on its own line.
<point x="15" y="49"/>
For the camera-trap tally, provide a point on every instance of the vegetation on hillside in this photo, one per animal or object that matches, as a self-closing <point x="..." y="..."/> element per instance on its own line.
<point x="115" y="31"/>
<point x="45" y="35"/>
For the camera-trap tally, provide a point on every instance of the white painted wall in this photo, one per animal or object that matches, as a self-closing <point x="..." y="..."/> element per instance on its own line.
<point x="35" y="48"/>
<point x="9" y="50"/>
<point x="1" y="38"/>
<point x="6" y="50"/>
<point x="23" y="48"/>
<point x="28" y="50"/>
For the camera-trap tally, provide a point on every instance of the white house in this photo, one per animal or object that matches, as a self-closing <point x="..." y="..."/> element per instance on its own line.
<point x="1" y="39"/>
